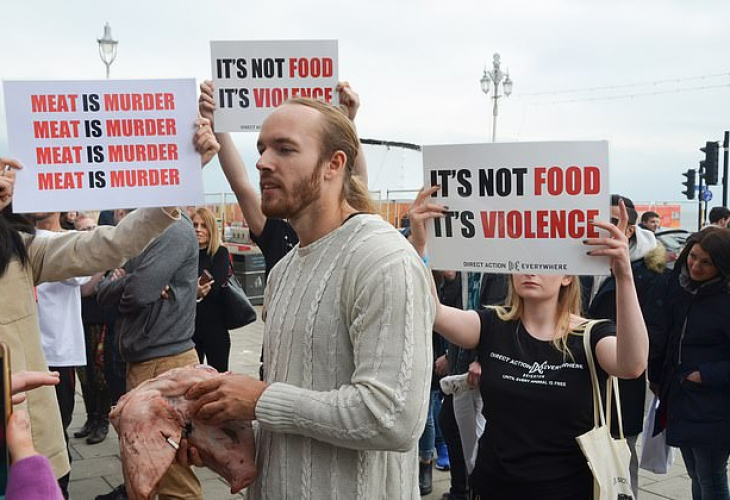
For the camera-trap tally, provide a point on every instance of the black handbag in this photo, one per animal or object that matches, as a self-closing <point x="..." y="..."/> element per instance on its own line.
<point x="237" y="309"/>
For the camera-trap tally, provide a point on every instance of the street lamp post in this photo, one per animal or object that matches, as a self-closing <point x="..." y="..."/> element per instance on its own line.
<point x="495" y="76"/>
<point x="107" y="48"/>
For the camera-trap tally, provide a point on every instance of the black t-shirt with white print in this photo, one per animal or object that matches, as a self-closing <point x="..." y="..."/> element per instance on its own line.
<point x="536" y="401"/>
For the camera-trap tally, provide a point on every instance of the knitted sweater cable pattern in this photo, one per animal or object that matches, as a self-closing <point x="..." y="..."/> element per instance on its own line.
<point x="347" y="352"/>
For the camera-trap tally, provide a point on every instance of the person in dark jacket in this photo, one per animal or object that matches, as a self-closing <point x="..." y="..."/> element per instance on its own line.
<point x="212" y="340"/>
<point x="647" y="265"/>
<point x="694" y="381"/>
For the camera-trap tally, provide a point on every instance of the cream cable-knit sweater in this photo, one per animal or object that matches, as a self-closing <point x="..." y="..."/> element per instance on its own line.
<point x="347" y="351"/>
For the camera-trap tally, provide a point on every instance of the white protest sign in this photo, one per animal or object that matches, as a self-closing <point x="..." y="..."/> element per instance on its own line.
<point x="103" y="144"/>
<point x="252" y="78"/>
<point x="518" y="208"/>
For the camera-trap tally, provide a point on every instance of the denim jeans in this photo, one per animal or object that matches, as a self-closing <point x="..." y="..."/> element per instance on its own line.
<point x="707" y="467"/>
<point x="431" y="434"/>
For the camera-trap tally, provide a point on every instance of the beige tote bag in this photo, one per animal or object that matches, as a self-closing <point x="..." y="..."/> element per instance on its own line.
<point x="608" y="458"/>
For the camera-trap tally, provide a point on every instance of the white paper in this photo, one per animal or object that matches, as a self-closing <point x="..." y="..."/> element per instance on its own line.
<point x="93" y="145"/>
<point x="252" y="78"/>
<point x="544" y="192"/>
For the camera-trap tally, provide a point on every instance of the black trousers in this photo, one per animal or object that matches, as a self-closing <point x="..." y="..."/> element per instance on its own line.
<point x="65" y="392"/>
<point x="115" y="369"/>
<point x="214" y="350"/>
<point x="450" y="431"/>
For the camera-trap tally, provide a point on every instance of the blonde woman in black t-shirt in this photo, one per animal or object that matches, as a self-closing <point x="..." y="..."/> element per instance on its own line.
<point x="535" y="381"/>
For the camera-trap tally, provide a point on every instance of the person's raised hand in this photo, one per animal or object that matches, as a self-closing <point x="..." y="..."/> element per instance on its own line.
<point x="616" y="245"/>
<point x="206" y="101"/>
<point x="420" y="211"/>
<point x="7" y="180"/>
<point x="349" y="99"/>
<point x="205" y="142"/>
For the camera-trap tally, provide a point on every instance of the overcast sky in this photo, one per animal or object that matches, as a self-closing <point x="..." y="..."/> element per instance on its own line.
<point x="417" y="65"/>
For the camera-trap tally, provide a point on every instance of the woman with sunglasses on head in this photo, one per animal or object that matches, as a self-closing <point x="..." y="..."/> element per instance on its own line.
<point x="535" y="381"/>
<point x="212" y="340"/>
<point x="694" y="374"/>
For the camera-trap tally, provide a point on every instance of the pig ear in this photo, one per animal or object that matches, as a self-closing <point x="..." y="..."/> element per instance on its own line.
<point x="146" y="425"/>
<point x="146" y="457"/>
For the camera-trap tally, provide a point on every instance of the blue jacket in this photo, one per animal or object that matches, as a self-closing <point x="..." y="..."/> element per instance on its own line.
<point x="697" y="414"/>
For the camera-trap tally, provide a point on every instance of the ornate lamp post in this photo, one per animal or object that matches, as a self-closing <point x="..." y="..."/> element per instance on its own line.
<point x="495" y="76"/>
<point x="107" y="48"/>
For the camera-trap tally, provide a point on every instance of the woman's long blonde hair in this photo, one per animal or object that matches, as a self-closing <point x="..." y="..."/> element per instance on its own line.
<point x="214" y="239"/>
<point x="568" y="305"/>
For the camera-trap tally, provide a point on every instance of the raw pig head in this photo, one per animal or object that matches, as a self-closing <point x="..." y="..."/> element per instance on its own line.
<point x="155" y="411"/>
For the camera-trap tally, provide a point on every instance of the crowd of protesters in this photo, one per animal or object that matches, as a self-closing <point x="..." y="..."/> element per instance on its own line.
<point x="358" y="334"/>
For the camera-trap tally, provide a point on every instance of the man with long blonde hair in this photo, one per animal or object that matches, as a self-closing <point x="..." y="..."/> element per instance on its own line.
<point x="347" y="344"/>
<point x="274" y="236"/>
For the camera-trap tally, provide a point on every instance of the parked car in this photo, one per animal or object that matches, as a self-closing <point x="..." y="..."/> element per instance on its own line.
<point x="673" y="240"/>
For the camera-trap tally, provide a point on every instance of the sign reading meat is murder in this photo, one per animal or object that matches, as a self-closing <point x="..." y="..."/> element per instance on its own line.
<point x="252" y="78"/>
<point x="518" y="208"/>
<point x="103" y="144"/>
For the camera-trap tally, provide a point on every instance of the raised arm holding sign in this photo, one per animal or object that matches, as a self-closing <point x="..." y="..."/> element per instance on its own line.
<point x="282" y="237"/>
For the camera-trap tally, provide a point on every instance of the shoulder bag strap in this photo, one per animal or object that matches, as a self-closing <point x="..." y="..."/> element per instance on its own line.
<point x="612" y="389"/>
<point x="612" y="383"/>
<point x="599" y="417"/>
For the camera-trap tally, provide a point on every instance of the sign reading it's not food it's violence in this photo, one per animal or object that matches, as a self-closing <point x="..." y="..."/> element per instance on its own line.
<point x="103" y="144"/>
<point x="518" y="207"/>
<point x="252" y="78"/>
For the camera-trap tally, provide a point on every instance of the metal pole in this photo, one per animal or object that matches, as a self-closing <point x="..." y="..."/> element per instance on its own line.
<point x="107" y="71"/>
<point x="701" y="179"/>
<point x="725" y="144"/>
<point x="494" y="111"/>
<point x="387" y="205"/>
<point x="222" y="236"/>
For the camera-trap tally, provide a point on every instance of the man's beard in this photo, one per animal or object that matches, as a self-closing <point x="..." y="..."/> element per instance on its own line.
<point x="305" y="192"/>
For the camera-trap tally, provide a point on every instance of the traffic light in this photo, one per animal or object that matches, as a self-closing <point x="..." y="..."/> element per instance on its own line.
<point x="691" y="175"/>
<point x="710" y="163"/>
